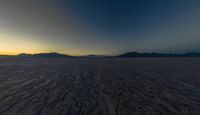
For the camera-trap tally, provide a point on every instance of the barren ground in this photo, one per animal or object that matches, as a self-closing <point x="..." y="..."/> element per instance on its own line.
<point x="145" y="86"/>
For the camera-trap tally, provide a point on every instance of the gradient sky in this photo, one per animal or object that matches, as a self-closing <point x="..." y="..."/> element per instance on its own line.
<point x="80" y="27"/>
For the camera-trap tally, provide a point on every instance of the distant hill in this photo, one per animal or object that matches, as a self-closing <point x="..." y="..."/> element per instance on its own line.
<point x="137" y="54"/>
<point x="44" y="55"/>
<point x="24" y="55"/>
<point x="93" y="56"/>
<point x="5" y="56"/>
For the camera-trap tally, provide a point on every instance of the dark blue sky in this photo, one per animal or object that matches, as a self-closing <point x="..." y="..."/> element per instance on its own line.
<point x="102" y="26"/>
<point x="125" y="15"/>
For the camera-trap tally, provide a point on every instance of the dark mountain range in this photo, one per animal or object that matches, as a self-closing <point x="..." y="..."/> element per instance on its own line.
<point x="137" y="54"/>
<point x="125" y="55"/>
<point x="44" y="55"/>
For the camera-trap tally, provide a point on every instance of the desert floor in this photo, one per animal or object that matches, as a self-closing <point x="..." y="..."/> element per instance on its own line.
<point x="138" y="86"/>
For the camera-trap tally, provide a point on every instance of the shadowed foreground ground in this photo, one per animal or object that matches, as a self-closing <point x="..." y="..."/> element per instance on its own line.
<point x="148" y="86"/>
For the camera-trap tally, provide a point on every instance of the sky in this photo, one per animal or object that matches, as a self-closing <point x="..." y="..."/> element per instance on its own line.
<point x="103" y="27"/>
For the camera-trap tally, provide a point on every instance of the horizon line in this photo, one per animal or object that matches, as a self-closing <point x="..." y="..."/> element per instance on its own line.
<point x="16" y="54"/>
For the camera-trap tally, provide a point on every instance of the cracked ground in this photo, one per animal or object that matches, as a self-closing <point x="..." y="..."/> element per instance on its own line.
<point x="138" y="86"/>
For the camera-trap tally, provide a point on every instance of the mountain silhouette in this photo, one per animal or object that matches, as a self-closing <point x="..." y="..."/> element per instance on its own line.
<point x="126" y="55"/>
<point x="44" y="55"/>
<point x="93" y="56"/>
<point x="154" y="54"/>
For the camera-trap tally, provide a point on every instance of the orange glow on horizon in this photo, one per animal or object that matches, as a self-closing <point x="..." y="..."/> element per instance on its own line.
<point x="14" y="43"/>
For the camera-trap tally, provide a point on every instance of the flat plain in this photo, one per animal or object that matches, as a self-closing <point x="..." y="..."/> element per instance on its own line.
<point x="104" y="86"/>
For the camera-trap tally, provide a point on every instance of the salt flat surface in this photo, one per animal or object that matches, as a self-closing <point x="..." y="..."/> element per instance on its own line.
<point x="145" y="86"/>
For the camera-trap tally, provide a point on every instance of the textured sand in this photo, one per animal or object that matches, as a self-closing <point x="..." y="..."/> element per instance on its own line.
<point x="146" y="86"/>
